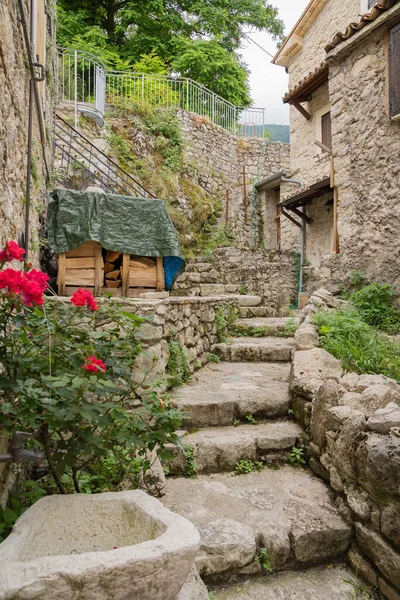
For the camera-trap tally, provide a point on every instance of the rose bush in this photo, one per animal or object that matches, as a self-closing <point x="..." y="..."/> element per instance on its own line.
<point x="65" y="371"/>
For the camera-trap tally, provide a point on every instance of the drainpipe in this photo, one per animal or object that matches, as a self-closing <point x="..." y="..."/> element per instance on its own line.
<point x="303" y="231"/>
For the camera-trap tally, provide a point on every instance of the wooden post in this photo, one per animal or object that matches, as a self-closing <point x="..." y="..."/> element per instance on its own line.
<point x="160" y="274"/>
<point x="125" y="274"/>
<point x="244" y="194"/>
<point x="98" y="270"/>
<point x="61" y="274"/>
<point x="227" y="208"/>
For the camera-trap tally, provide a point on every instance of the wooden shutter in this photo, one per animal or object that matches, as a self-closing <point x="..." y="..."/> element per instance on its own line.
<point x="326" y="129"/>
<point x="394" y="71"/>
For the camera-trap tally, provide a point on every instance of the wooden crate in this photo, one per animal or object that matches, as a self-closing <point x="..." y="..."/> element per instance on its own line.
<point x="142" y="273"/>
<point x="81" y="267"/>
<point x="84" y="267"/>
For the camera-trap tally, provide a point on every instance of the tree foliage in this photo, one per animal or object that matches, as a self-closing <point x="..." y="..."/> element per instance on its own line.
<point x="196" y="38"/>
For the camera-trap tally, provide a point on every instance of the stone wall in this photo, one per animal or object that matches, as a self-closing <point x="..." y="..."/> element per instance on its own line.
<point x="268" y="274"/>
<point x="14" y="86"/>
<point x="219" y="156"/>
<point x="365" y="142"/>
<point x="190" y="321"/>
<point x="334" y="17"/>
<point x="353" y="427"/>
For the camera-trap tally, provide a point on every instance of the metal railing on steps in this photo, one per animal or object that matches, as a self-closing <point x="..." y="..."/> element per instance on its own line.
<point x="79" y="164"/>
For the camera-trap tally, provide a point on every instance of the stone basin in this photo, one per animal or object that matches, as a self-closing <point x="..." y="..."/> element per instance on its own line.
<point x="112" y="546"/>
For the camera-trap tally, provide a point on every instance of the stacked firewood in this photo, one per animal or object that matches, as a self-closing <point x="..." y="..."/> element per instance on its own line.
<point x="112" y="269"/>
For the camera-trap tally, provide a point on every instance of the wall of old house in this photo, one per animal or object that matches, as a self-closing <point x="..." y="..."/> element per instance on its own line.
<point x="14" y="93"/>
<point x="366" y="147"/>
<point x="14" y="86"/>
<point x="334" y="17"/>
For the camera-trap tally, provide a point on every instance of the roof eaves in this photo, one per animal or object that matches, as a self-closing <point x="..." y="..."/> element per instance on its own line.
<point x="294" y="40"/>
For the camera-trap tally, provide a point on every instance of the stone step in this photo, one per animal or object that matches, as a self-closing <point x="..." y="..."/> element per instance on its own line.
<point x="249" y="349"/>
<point x="210" y="277"/>
<point x="198" y="259"/>
<point x="218" y="449"/>
<point x="212" y="289"/>
<point x="271" y="325"/>
<point x="200" y="267"/>
<point x="314" y="584"/>
<point x="222" y="392"/>
<point x="288" y="512"/>
<point x="249" y="312"/>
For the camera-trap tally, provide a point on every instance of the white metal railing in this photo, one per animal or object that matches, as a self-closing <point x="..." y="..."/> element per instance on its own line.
<point x="82" y="82"/>
<point x="85" y="83"/>
<point x="161" y="91"/>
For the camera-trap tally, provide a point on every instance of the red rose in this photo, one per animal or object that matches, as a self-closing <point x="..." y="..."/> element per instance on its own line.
<point x="30" y="286"/>
<point x="94" y="364"/>
<point x="84" y="298"/>
<point x="11" y="251"/>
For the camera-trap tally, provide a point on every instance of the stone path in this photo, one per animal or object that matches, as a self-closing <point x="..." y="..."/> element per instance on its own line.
<point x="314" y="584"/>
<point x="238" y="411"/>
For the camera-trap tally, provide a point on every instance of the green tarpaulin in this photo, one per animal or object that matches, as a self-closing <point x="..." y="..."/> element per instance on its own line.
<point x="139" y="226"/>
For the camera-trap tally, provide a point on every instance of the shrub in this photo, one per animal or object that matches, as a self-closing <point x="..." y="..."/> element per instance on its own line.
<point x="225" y="316"/>
<point x="66" y="371"/>
<point x="358" y="345"/>
<point x="374" y="304"/>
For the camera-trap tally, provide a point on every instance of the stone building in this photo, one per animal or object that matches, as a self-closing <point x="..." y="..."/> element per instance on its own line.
<point x="343" y="60"/>
<point x="15" y="77"/>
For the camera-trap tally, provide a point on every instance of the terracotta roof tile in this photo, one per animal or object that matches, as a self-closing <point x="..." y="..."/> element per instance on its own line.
<point x="353" y="28"/>
<point x="304" y="83"/>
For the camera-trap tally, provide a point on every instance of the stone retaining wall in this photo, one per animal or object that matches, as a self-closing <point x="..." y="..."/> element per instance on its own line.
<point x="353" y="442"/>
<point x="190" y="321"/>
<point x="265" y="273"/>
<point x="215" y="152"/>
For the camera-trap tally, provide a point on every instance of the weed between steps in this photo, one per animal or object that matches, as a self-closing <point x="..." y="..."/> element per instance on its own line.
<point x="240" y="330"/>
<point x="263" y="558"/>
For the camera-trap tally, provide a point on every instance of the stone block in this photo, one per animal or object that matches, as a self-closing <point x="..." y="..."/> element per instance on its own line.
<point x="306" y="338"/>
<point x="225" y="545"/>
<point x="378" y="464"/>
<point x="390" y="523"/>
<point x="385" y="418"/>
<point x="362" y="566"/>
<point x="380" y="552"/>
<point x="366" y="381"/>
<point x="325" y="398"/>
<point x="194" y="588"/>
<point x="387" y="590"/>
<point x="377" y="396"/>
<point x="311" y="368"/>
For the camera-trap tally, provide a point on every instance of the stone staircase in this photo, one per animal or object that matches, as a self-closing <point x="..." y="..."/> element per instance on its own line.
<point x="275" y="518"/>
<point x="202" y="279"/>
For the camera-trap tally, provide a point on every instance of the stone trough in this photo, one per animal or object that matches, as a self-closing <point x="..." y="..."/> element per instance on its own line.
<point x="113" y="546"/>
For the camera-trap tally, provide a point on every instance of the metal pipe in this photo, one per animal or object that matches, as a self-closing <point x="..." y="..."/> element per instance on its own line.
<point x="303" y="231"/>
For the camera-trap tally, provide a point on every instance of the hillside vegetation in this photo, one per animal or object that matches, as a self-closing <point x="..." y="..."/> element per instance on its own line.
<point x="148" y="144"/>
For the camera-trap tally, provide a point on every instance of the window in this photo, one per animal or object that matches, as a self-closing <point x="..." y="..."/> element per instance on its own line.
<point x="394" y="72"/>
<point x="326" y="130"/>
<point x="371" y="3"/>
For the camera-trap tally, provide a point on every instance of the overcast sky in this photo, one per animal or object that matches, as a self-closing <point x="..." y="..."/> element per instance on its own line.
<point x="269" y="82"/>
